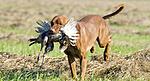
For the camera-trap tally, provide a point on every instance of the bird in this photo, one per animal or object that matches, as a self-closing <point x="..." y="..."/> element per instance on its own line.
<point x="45" y="38"/>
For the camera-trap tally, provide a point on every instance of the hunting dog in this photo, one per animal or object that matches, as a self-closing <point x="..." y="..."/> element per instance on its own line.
<point x="91" y="28"/>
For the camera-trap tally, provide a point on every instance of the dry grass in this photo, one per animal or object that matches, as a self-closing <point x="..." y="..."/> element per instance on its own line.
<point x="134" y="66"/>
<point x="130" y="30"/>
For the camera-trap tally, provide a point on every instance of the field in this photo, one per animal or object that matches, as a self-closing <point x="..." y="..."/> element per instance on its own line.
<point x="130" y="50"/>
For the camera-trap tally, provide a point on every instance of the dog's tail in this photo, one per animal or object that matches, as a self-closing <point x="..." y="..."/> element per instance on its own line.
<point x="114" y="13"/>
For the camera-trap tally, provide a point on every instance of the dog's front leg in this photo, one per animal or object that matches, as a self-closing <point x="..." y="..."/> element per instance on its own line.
<point x="72" y="65"/>
<point x="83" y="64"/>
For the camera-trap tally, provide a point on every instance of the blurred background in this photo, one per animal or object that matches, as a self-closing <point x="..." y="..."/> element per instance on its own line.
<point x="130" y="28"/>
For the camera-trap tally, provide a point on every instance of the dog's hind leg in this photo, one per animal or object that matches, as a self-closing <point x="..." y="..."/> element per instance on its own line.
<point x="105" y="44"/>
<point x="92" y="49"/>
<point x="107" y="53"/>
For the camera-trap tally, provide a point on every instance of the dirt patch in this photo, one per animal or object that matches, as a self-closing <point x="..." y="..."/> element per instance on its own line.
<point x="137" y="65"/>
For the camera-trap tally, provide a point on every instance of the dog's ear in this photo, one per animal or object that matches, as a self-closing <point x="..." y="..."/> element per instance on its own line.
<point x="63" y="20"/>
<point x="54" y="20"/>
<point x="57" y="22"/>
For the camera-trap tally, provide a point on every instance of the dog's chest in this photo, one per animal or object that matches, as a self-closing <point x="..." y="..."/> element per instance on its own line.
<point x="73" y="51"/>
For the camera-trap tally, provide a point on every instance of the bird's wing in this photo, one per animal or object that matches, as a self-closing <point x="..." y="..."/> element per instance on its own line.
<point x="71" y="31"/>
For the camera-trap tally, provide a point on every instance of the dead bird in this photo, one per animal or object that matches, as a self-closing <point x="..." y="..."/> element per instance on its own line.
<point x="46" y="38"/>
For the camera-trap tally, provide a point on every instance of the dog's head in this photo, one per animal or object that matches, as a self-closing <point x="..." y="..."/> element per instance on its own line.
<point x="67" y="28"/>
<point x="58" y="22"/>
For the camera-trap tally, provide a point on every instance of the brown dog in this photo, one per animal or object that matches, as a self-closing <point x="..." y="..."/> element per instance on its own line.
<point x="91" y="28"/>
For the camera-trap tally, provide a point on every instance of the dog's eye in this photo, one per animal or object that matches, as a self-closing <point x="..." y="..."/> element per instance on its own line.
<point x="61" y="23"/>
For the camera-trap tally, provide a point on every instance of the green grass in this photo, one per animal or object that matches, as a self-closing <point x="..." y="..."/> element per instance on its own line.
<point x="27" y="76"/>
<point x="18" y="47"/>
<point x="38" y="76"/>
<point x="128" y="44"/>
<point x="22" y="48"/>
<point x="28" y="12"/>
<point x="123" y="44"/>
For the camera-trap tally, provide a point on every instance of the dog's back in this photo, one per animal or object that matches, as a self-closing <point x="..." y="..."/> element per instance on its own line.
<point x="91" y="27"/>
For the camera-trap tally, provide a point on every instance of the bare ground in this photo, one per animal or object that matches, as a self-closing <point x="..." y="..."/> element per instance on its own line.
<point x="137" y="65"/>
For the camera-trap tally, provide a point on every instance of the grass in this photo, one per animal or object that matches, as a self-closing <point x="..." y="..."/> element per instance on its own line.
<point x="38" y="76"/>
<point x="22" y="48"/>
<point x="127" y="44"/>
<point x="123" y="44"/>
<point x="125" y="40"/>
